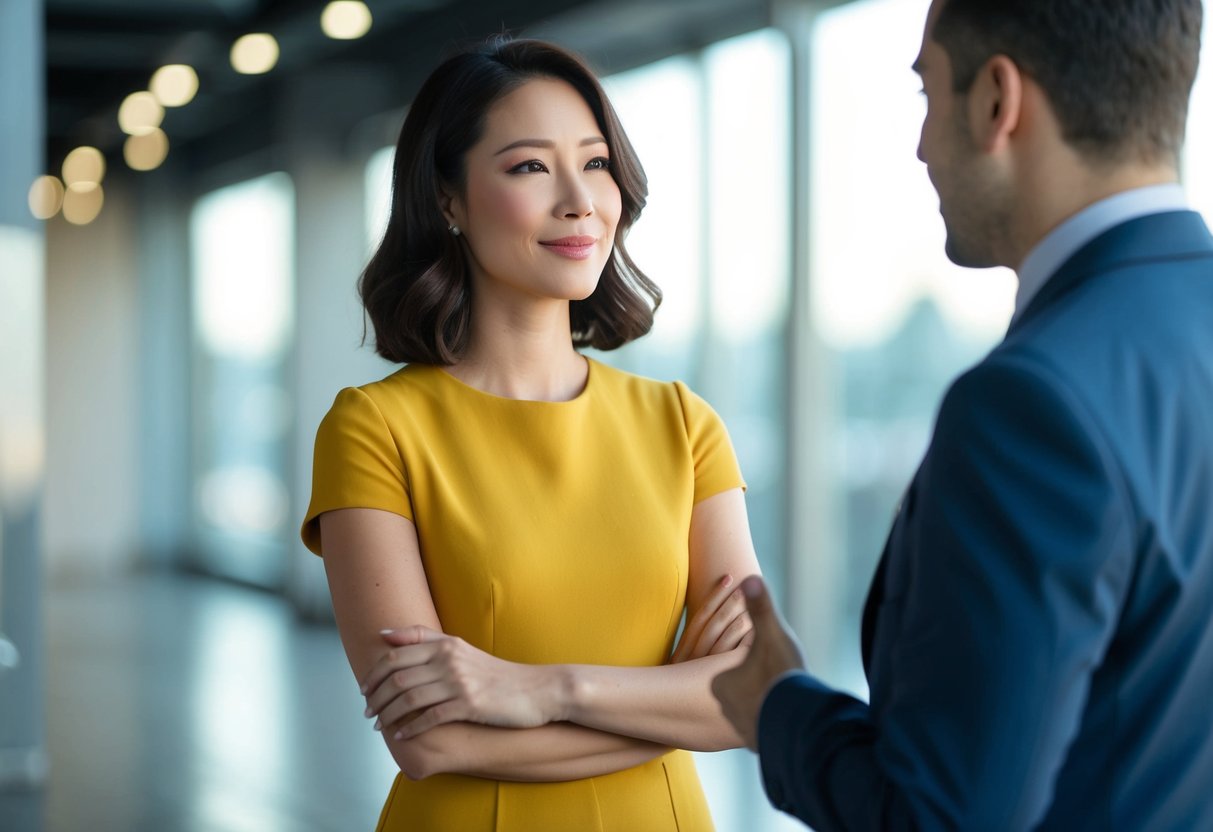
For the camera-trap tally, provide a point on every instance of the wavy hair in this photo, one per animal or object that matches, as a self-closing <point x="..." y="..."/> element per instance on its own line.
<point x="417" y="288"/>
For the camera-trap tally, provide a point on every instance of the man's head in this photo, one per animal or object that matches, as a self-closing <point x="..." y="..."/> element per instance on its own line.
<point x="1117" y="72"/>
<point x="1016" y="85"/>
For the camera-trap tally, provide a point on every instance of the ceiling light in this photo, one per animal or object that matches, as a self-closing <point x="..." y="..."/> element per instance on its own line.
<point x="82" y="207"/>
<point x="45" y="197"/>
<point x="345" y="19"/>
<point x="84" y="166"/>
<point x="140" y="113"/>
<point x="254" y="54"/>
<point x="146" y="151"/>
<point x="174" y="85"/>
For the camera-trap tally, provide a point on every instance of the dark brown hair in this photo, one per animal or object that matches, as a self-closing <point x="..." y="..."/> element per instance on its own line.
<point x="1118" y="73"/>
<point x="417" y="286"/>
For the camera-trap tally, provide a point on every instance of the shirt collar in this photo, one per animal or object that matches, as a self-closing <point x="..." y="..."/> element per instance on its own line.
<point x="1050" y="253"/>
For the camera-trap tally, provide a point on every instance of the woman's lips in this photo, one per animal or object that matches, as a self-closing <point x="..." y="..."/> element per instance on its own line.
<point x="575" y="248"/>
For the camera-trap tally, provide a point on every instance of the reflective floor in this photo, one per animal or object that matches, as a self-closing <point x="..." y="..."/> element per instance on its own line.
<point x="184" y="703"/>
<point x="180" y="703"/>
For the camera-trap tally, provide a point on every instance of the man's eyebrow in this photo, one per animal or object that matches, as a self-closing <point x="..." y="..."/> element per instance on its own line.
<point x="547" y="143"/>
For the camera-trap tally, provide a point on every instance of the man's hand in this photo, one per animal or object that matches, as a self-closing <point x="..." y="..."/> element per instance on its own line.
<point x="741" y="690"/>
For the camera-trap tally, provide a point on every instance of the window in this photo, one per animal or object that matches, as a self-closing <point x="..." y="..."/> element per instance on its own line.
<point x="898" y="319"/>
<point x="242" y="239"/>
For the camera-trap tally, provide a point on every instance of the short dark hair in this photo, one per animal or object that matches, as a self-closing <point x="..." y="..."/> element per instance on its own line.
<point x="1118" y="73"/>
<point x="417" y="287"/>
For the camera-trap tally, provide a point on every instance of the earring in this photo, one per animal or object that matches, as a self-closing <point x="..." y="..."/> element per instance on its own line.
<point x="454" y="229"/>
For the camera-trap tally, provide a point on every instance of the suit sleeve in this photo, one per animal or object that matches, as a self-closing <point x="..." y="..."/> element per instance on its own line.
<point x="1002" y="594"/>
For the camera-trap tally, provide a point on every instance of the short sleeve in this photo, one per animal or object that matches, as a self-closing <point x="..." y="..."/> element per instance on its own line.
<point x="716" y="467"/>
<point x="356" y="464"/>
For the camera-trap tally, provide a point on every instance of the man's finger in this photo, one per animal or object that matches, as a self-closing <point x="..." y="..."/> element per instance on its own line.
<point x="417" y="634"/>
<point x="758" y="602"/>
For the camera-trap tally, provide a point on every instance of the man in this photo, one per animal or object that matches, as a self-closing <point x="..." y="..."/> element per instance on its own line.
<point x="1038" y="636"/>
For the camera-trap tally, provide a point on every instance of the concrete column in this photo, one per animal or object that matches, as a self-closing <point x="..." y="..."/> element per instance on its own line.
<point x="23" y="759"/>
<point x="815" y="544"/>
<point x="164" y="354"/>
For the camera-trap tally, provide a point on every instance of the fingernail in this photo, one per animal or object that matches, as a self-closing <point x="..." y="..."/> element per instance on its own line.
<point x="728" y="579"/>
<point x="386" y="632"/>
<point x="399" y="735"/>
<point x="752" y="589"/>
<point x="362" y="689"/>
<point x="367" y="712"/>
<point x="378" y="724"/>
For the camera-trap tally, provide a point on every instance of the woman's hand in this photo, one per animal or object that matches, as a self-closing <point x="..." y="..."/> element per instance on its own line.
<point x="429" y="678"/>
<point x="718" y="626"/>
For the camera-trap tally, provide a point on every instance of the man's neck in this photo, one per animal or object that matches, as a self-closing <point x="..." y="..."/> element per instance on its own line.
<point x="1057" y="192"/>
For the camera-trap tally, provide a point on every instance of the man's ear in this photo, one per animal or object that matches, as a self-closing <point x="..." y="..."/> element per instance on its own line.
<point x="995" y="103"/>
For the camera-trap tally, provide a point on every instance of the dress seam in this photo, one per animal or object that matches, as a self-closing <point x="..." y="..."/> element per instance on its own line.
<point x="669" y="791"/>
<point x="597" y="803"/>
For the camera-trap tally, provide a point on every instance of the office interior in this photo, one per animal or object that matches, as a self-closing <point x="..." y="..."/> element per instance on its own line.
<point x="178" y="310"/>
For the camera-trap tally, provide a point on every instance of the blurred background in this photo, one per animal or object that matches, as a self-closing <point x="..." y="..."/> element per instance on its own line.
<point x="188" y="191"/>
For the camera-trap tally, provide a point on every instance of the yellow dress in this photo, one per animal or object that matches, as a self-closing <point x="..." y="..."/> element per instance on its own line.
<point x="550" y="532"/>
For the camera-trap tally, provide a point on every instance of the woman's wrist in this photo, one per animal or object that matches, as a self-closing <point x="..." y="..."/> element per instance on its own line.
<point x="560" y="686"/>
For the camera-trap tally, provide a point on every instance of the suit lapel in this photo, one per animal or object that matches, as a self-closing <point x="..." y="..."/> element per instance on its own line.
<point x="870" y="607"/>
<point x="876" y="592"/>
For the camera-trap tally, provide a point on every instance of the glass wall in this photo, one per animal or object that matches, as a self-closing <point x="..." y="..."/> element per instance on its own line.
<point x="242" y="239"/>
<point x="898" y="319"/>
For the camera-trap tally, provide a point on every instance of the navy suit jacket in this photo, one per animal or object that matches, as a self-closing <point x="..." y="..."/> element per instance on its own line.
<point x="1038" y="639"/>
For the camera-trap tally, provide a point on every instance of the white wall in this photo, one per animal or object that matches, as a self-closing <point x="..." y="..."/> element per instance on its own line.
<point x="91" y="507"/>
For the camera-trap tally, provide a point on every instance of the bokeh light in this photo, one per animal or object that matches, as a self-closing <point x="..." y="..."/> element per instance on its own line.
<point x="254" y="54"/>
<point x="174" y="85"/>
<point x="140" y="113"/>
<point x="345" y="19"/>
<point x="82" y="207"/>
<point x="147" y="151"/>
<point x="46" y="197"/>
<point x="83" y="168"/>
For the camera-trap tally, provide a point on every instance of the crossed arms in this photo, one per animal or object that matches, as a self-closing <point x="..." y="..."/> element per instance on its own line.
<point x="446" y="707"/>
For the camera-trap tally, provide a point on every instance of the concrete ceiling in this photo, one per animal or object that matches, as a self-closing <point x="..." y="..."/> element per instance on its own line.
<point x="99" y="51"/>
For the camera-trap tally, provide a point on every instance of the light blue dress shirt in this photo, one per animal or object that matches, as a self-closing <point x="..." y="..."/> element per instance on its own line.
<point x="1066" y="239"/>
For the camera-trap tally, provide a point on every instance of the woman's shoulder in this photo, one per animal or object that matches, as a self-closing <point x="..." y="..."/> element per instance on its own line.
<point x="633" y="386"/>
<point x="615" y="380"/>
<point x="391" y="396"/>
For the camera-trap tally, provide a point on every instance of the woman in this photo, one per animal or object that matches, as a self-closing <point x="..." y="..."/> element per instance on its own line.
<point x="512" y="531"/>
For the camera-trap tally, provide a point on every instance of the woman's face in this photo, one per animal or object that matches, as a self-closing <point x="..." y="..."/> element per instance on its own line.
<point x="539" y="207"/>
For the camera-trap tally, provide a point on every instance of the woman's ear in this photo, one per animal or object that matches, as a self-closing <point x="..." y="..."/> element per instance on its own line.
<point x="451" y="206"/>
<point x="995" y="103"/>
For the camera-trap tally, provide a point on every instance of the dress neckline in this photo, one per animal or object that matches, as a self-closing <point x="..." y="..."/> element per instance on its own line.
<point x="584" y="394"/>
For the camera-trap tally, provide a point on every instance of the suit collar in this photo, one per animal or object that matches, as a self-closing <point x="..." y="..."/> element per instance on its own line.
<point x="1085" y="225"/>
<point x="1166" y="236"/>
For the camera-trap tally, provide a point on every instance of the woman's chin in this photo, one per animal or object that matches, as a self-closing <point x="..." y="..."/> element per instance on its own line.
<point x="583" y="292"/>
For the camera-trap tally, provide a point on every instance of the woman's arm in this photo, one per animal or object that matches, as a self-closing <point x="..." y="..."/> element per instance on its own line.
<point x="377" y="582"/>
<point x="559" y="751"/>
<point x="439" y="680"/>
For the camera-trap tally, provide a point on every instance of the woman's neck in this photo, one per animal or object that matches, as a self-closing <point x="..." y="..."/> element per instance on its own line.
<point x="524" y="352"/>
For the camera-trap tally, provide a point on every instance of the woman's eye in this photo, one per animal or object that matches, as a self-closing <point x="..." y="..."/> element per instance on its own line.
<point x="532" y="166"/>
<point x="600" y="163"/>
